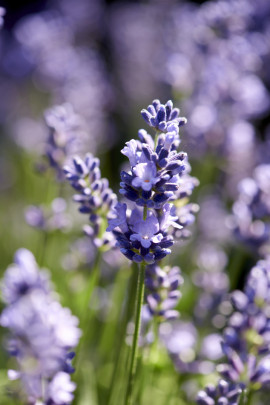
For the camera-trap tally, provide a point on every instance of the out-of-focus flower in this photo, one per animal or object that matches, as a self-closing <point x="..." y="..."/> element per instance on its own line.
<point x="212" y="220"/>
<point x="71" y="71"/>
<point x="42" y="332"/>
<point x="189" y="353"/>
<point x="163" y="296"/>
<point x="2" y="13"/>
<point x="60" y="389"/>
<point x="22" y="277"/>
<point x="218" y="69"/>
<point x="141" y="24"/>
<point x="66" y="136"/>
<point x="49" y="218"/>
<point x="251" y="211"/>
<point x="213" y="284"/>
<point x="246" y="338"/>
<point x="241" y="152"/>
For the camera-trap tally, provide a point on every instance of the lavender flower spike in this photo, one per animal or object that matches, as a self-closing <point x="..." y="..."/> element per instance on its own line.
<point x="94" y="196"/>
<point x="42" y="333"/>
<point x="156" y="178"/>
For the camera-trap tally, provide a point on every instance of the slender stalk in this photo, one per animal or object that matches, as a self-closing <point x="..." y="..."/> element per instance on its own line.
<point x="122" y="327"/>
<point x="151" y="359"/>
<point x="156" y="139"/>
<point x="144" y="213"/>
<point x="92" y="283"/>
<point x="86" y="312"/>
<point x="134" y="350"/>
<point x="249" y="397"/>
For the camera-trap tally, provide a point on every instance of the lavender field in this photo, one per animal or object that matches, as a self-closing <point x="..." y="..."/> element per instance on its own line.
<point x="135" y="202"/>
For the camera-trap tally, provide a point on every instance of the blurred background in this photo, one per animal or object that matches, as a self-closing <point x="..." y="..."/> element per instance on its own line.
<point x="105" y="61"/>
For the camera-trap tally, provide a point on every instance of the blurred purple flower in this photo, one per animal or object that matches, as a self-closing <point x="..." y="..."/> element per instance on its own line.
<point x="42" y="331"/>
<point x="246" y="338"/>
<point x="251" y="211"/>
<point x="22" y="277"/>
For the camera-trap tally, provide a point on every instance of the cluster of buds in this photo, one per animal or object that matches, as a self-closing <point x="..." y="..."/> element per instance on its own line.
<point x="94" y="196"/>
<point x="223" y="394"/>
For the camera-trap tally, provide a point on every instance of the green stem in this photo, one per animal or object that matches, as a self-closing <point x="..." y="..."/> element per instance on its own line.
<point x="144" y="213"/>
<point x="151" y="358"/>
<point x="134" y="350"/>
<point x="92" y="283"/>
<point x="122" y="326"/>
<point x="249" y="397"/>
<point x="156" y="139"/>
<point x="86" y="312"/>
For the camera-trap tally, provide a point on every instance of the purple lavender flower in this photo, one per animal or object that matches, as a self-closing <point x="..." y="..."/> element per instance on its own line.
<point x="95" y="197"/>
<point x="163" y="296"/>
<point x="48" y="218"/>
<point x="60" y="389"/>
<point x="251" y="211"/>
<point x="146" y="231"/>
<point x="156" y="169"/>
<point x="65" y="136"/>
<point x="162" y="116"/>
<point x="156" y="178"/>
<point x="22" y="277"/>
<point x="228" y="80"/>
<point x="223" y="394"/>
<point x="42" y="332"/>
<point x="130" y="151"/>
<point x="140" y="239"/>
<point x="246" y="338"/>
<point x="145" y="176"/>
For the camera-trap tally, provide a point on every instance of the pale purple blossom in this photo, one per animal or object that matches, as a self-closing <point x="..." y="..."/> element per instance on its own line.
<point x="146" y="176"/>
<point x="146" y="231"/>
<point x="22" y="277"/>
<point x="60" y="389"/>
